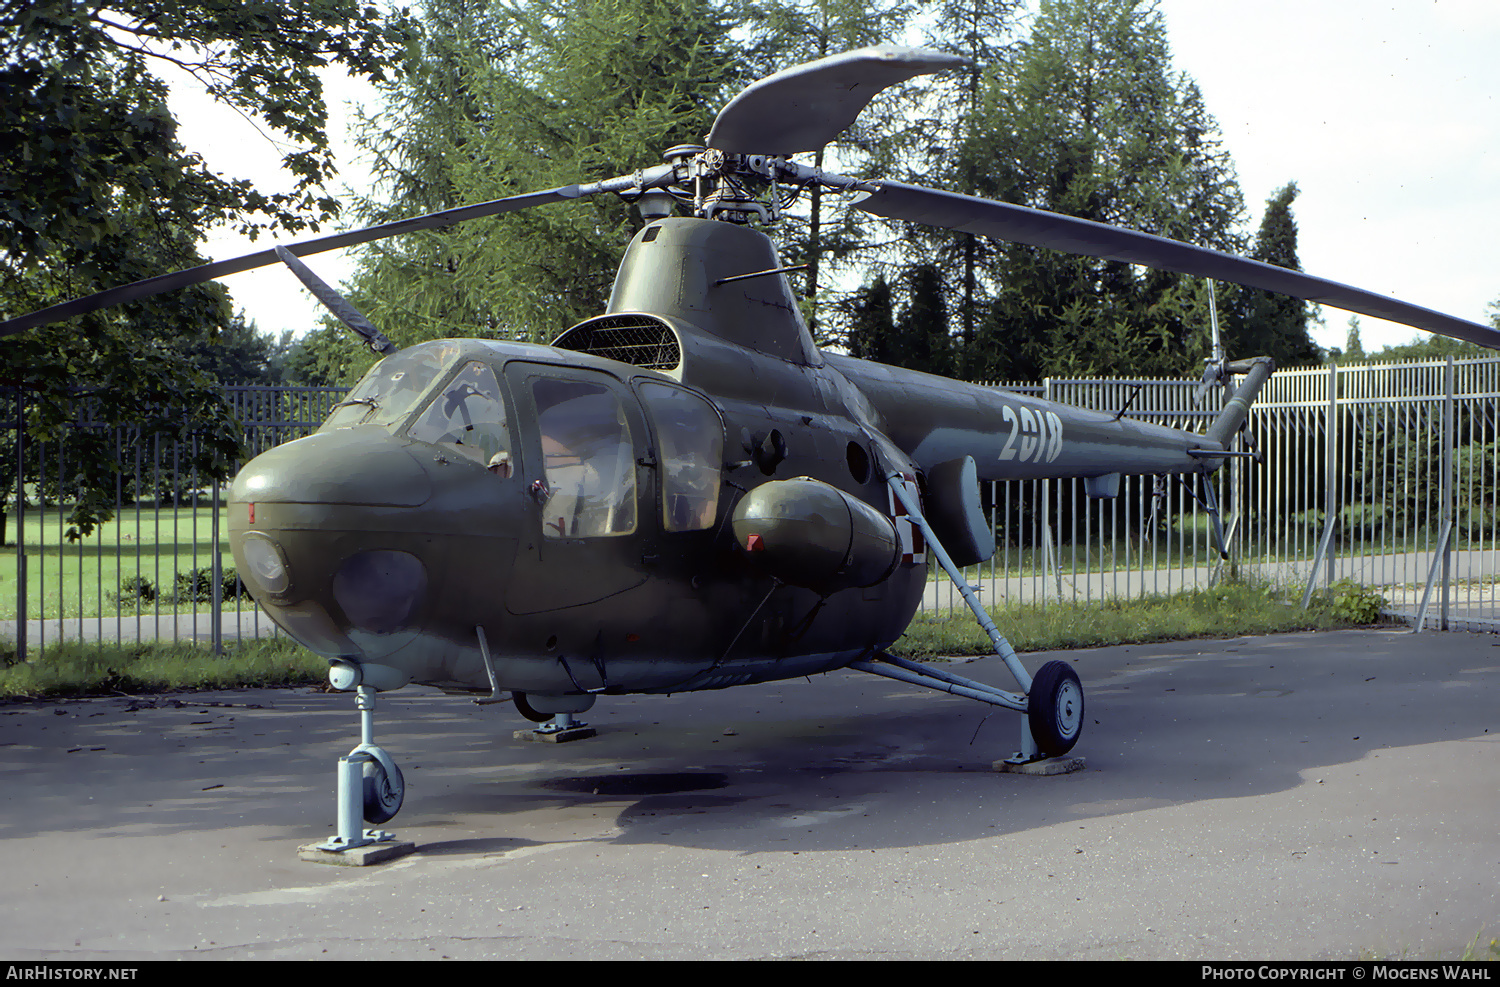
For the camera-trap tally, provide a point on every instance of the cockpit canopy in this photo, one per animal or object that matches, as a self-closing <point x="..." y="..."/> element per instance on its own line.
<point x="391" y="389"/>
<point x="589" y="451"/>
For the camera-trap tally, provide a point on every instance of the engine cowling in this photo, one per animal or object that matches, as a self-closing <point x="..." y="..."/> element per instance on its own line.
<point x="811" y="534"/>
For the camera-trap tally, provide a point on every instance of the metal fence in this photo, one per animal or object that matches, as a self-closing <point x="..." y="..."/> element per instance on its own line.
<point x="1382" y="474"/>
<point x="1387" y="475"/>
<point x="160" y="570"/>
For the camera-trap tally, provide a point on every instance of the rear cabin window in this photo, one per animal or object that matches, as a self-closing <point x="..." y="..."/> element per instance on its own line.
<point x="692" y="451"/>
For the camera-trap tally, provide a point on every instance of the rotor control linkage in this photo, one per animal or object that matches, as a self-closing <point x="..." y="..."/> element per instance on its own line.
<point x="1210" y="503"/>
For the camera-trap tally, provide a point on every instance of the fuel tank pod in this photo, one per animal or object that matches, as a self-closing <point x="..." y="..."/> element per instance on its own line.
<point x="811" y="534"/>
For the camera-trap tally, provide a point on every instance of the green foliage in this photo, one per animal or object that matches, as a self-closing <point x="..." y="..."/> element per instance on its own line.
<point x="497" y="99"/>
<point x="99" y="191"/>
<point x="1348" y="601"/>
<point x="1230" y="609"/>
<point x="197" y="585"/>
<point x="946" y="148"/>
<point x="90" y="668"/>
<point x="1263" y="323"/>
<point x="237" y="354"/>
<point x="193" y="586"/>
<point x="915" y="336"/>
<point x="1091" y="121"/>
<point x="781" y="34"/>
<point x="137" y="589"/>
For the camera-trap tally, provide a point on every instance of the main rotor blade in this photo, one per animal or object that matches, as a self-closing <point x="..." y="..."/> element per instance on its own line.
<point x="1070" y="234"/>
<point x="336" y="303"/>
<point x="806" y="106"/>
<point x="207" y="272"/>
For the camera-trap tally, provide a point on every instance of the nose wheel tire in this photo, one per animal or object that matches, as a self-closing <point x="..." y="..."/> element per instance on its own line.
<point x="1054" y="708"/>
<point x="384" y="788"/>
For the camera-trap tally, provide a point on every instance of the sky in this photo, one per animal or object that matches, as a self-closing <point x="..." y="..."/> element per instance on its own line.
<point x="1386" y="113"/>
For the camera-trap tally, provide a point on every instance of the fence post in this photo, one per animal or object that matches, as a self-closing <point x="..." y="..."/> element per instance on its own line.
<point x="1330" y="495"/>
<point x="216" y="592"/>
<point x="1447" y="488"/>
<point x="20" y="524"/>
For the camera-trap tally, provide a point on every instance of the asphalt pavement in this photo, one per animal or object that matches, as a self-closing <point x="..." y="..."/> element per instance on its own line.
<point x="1302" y="796"/>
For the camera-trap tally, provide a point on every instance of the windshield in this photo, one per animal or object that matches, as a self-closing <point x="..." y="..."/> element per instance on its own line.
<point x="392" y="387"/>
<point x="468" y="416"/>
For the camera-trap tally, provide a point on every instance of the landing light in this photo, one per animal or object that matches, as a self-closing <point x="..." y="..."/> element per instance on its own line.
<point x="267" y="567"/>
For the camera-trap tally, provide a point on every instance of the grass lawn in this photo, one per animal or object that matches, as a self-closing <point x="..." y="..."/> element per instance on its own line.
<point x="1225" y="611"/>
<point x="76" y="669"/>
<point x="84" y="578"/>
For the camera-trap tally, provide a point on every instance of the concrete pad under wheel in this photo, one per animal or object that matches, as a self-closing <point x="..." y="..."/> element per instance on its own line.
<point x="555" y="736"/>
<point x="1046" y="766"/>
<point x="360" y="856"/>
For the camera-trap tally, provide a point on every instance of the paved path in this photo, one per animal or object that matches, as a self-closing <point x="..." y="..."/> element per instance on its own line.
<point x="1298" y="796"/>
<point x="248" y="622"/>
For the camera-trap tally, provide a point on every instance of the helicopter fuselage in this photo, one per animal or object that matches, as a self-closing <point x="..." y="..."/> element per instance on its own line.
<point x="594" y="557"/>
<point x="571" y="519"/>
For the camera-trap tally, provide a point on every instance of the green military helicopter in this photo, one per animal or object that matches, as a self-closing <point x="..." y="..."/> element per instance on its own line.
<point x="684" y="492"/>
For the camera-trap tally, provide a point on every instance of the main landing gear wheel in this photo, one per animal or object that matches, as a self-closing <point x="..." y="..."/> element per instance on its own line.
<point x="384" y="788"/>
<point x="1054" y="708"/>
<point x="527" y="710"/>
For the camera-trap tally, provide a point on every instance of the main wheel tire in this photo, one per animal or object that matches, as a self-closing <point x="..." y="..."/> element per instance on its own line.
<point x="1054" y="708"/>
<point x="527" y="710"/>
<point x="384" y="789"/>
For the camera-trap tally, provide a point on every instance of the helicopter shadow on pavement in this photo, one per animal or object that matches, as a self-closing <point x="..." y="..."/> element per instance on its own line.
<point x="757" y="769"/>
<point x="841" y="761"/>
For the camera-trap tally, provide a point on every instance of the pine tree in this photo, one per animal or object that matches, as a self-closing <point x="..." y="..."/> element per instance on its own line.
<point x="1354" y="347"/>
<point x="500" y="99"/>
<point x="957" y="157"/>
<point x="1263" y="323"/>
<point x="1089" y="119"/>
<point x="789" y="33"/>
<point x="870" y="317"/>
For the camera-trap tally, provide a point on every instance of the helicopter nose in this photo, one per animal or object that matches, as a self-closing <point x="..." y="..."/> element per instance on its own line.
<point x="322" y="531"/>
<point x="364" y="465"/>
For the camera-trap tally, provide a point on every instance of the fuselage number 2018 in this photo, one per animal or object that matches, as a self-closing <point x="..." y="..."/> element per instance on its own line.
<point x="1035" y="436"/>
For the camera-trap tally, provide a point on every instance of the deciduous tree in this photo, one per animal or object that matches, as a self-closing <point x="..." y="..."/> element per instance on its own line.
<point x="99" y="190"/>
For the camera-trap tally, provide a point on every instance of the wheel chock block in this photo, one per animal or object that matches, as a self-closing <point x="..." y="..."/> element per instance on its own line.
<point x="555" y="736"/>
<point x="360" y="856"/>
<point x="1046" y="766"/>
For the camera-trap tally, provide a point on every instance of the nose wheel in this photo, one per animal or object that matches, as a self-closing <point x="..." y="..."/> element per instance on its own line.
<point x="383" y="787"/>
<point x="370" y="789"/>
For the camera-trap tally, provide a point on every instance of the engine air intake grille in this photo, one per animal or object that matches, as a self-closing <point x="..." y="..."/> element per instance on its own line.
<point x="638" y="340"/>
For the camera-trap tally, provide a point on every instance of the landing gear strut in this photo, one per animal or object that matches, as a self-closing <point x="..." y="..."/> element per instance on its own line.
<point x="1052" y="701"/>
<point x="370" y="788"/>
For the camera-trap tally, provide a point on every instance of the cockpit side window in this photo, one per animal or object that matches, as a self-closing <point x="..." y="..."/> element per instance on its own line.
<point x="691" y="441"/>
<point x="391" y="389"/>
<point x="468" y="416"/>
<point x="588" y="458"/>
